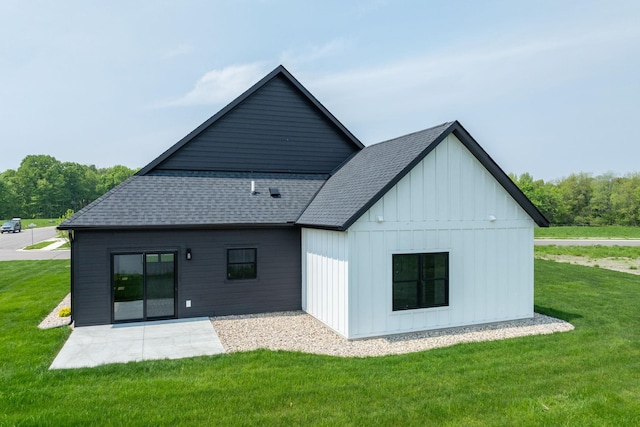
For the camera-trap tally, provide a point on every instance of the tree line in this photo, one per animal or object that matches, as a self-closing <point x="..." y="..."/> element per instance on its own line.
<point x="44" y="187"/>
<point x="582" y="199"/>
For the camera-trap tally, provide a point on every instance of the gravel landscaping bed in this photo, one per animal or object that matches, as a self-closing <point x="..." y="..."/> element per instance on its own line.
<point x="53" y="320"/>
<point x="622" y="264"/>
<point x="298" y="331"/>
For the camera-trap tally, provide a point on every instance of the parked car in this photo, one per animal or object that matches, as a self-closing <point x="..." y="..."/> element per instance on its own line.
<point x="13" y="226"/>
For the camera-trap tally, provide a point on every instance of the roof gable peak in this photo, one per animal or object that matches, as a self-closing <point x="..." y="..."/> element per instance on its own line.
<point x="372" y="172"/>
<point x="280" y="72"/>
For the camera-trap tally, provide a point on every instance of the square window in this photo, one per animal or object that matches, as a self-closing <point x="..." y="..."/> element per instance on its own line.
<point x="420" y="280"/>
<point x="242" y="263"/>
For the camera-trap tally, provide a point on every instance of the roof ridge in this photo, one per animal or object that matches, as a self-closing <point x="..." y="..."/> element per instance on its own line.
<point x="236" y="174"/>
<point x="445" y="124"/>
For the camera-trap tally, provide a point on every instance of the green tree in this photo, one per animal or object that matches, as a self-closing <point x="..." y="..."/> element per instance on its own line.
<point x="544" y="195"/>
<point x="81" y="185"/>
<point x="110" y="177"/>
<point x="40" y="183"/>
<point x="601" y="207"/>
<point x="576" y="192"/>
<point x="43" y="187"/>
<point x="10" y="204"/>
<point x="625" y="200"/>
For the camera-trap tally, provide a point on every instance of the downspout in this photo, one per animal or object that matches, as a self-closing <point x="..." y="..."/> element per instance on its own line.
<point x="71" y="257"/>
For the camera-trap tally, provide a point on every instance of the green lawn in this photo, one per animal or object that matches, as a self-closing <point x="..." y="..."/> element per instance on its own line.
<point x="590" y="376"/>
<point x="45" y="243"/>
<point x="609" y="232"/>
<point x="39" y="245"/>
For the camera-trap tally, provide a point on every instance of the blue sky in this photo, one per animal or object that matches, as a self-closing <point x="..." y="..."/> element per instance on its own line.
<point x="546" y="87"/>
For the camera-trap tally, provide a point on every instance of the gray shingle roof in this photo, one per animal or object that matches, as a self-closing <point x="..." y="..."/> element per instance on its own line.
<point x="367" y="176"/>
<point x="218" y="199"/>
<point x="183" y="199"/>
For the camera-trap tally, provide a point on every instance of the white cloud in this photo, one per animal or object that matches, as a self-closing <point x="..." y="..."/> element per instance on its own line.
<point x="177" y="51"/>
<point x="313" y="53"/>
<point x="476" y="74"/>
<point x="220" y="86"/>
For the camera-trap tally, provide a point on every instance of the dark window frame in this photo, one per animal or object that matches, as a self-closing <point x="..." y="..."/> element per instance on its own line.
<point x="252" y="272"/>
<point x="437" y="284"/>
<point x="143" y="253"/>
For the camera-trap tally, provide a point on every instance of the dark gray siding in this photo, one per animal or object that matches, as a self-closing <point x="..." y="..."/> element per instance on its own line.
<point x="201" y="280"/>
<point x="277" y="129"/>
<point x="91" y="279"/>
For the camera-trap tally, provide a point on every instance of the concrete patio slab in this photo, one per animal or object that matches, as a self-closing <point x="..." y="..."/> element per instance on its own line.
<point x="90" y="346"/>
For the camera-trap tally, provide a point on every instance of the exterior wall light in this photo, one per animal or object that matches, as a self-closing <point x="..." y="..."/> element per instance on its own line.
<point x="188" y="254"/>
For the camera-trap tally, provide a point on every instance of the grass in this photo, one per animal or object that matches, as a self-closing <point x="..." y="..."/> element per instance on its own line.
<point x="39" y="245"/>
<point x="609" y="232"/>
<point x="39" y="222"/>
<point x="46" y="243"/>
<point x="590" y="376"/>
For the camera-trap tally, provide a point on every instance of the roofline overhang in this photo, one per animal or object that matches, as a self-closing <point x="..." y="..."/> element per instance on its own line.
<point x="322" y="227"/>
<point x="165" y="227"/>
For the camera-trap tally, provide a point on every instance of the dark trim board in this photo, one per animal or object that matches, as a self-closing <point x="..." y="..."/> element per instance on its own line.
<point x="182" y="227"/>
<point x="483" y="157"/>
<point x="202" y="280"/>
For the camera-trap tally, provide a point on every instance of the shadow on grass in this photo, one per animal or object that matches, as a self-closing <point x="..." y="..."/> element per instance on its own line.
<point x="558" y="314"/>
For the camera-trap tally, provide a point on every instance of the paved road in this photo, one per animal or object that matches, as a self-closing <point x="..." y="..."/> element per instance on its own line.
<point x="587" y="242"/>
<point x="11" y="243"/>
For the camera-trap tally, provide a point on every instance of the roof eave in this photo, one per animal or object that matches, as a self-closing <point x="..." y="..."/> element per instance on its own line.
<point x="332" y="227"/>
<point x="113" y="227"/>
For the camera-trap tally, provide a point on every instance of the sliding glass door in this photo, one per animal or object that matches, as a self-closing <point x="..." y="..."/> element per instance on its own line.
<point x="160" y="284"/>
<point x="144" y="286"/>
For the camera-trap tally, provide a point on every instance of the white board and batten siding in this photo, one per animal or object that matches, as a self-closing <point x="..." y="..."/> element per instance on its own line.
<point x="445" y="204"/>
<point x="325" y="271"/>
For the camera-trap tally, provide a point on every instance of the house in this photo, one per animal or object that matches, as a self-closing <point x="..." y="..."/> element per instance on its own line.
<point x="273" y="205"/>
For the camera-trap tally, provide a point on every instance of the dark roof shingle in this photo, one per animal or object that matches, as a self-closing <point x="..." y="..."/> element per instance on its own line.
<point x="371" y="173"/>
<point x="218" y="199"/>
<point x="366" y="177"/>
<point x="199" y="199"/>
